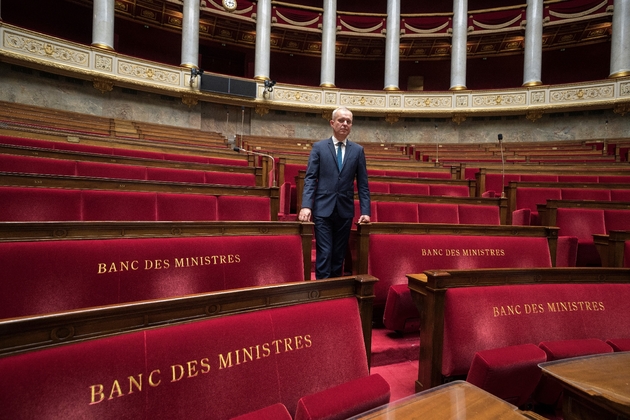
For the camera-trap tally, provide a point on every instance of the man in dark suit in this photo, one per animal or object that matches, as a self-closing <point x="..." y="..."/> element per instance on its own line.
<point x="328" y="195"/>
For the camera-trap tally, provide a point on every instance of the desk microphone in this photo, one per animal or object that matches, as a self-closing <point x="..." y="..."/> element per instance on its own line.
<point x="502" y="167"/>
<point x="273" y="162"/>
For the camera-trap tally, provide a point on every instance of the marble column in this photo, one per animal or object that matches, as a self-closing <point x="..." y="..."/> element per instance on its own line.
<point x="459" y="48"/>
<point x="190" y="34"/>
<point x="263" y="40"/>
<point x="533" y="43"/>
<point x="329" y="49"/>
<point x="620" y="42"/>
<point x="392" y="45"/>
<point x="103" y="24"/>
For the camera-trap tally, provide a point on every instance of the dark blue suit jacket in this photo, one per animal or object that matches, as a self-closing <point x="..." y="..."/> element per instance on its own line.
<point x="326" y="187"/>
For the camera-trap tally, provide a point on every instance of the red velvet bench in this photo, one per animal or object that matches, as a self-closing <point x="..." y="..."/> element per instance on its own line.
<point x="524" y="197"/>
<point x="52" y="267"/>
<point x="495" y="326"/>
<point x="37" y="198"/>
<point x="298" y="348"/>
<point x="583" y="219"/>
<point x="390" y="251"/>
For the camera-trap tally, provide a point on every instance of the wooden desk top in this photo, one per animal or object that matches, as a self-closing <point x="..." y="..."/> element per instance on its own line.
<point x="456" y="400"/>
<point x="605" y="379"/>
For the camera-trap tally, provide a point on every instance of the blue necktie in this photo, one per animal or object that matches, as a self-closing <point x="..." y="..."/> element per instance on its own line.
<point x="339" y="159"/>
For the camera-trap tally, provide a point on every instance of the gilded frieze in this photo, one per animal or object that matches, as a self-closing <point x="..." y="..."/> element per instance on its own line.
<point x="45" y="49"/>
<point x="301" y="96"/>
<point x="148" y="73"/>
<point x="496" y="100"/>
<point x="371" y="101"/>
<point x="103" y="63"/>
<point x="589" y="93"/>
<point x="428" y="101"/>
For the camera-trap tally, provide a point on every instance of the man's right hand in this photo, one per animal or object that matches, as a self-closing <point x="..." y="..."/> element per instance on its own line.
<point x="305" y="215"/>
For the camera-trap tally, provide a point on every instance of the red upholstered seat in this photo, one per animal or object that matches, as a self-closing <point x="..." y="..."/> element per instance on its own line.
<point x="482" y="318"/>
<point x="121" y="206"/>
<point x="110" y="170"/>
<point x="228" y="162"/>
<point x="578" y="178"/>
<point x="539" y="178"/>
<point x="582" y="224"/>
<point x="48" y="204"/>
<point x="614" y="179"/>
<point x="479" y="215"/>
<point x="376" y="186"/>
<point x="185" y="158"/>
<point x="400" y="313"/>
<point x="345" y="400"/>
<point x="510" y="373"/>
<point x="620" y="195"/>
<point x="229" y="178"/>
<point x="236" y="208"/>
<point x="617" y="220"/>
<point x="175" y="175"/>
<point x="36" y="165"/>
<point x="186" y="207"/>
<point x="376" y="172"/>
<point x="548" y="391"/>
<point x="413" y="189"/>
<point x="619" y="344"/>
<point x="272" y="412"/>
<point x="438" y="213"/>
<point x="494" y="182"/>
<point x="585" y="194"/>
<point x="404" y="174"/>
<point x="52" y="276"/>
<point x="529" y="198"/>
<point x="449" y="190"/>
<point x="219" y="368"/>
<point x="389" y="211"/>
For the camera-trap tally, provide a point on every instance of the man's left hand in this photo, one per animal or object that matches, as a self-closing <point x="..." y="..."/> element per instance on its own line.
<point x="364" y="219"/>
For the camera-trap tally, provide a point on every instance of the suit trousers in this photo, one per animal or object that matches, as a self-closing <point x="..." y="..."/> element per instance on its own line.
<point x="331" y="241"/>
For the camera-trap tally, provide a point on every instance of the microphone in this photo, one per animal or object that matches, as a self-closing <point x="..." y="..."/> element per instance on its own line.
<point x="273" y="162"/>
<point x="502" y="167"/>
<point x="437" y="147"/>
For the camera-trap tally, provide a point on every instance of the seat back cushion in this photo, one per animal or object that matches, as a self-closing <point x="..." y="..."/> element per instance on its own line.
<point x="230" y="178"/>
<point x="376" y="186"/>
<point x="23" y="204"/>
<point x="494" y="182"/>
<point x="389" y="211"/>
<point x="235" y="208"/>
<point x="175" y="175"/>
<point x="449" y="190"/>
<point x="392" y="257"/>
<point x="619" y="195"/>
<point x="510" y="373"/>
<point x="51" y="276"/>
<point x="479" y="215"/>
<point x="119" y="206"/>
<point x="345" y="400"/>
<point x="221" y="367"/>
<point x="36" y="165"/>
<point x="482" y="318"/>
<point x="529" y="198"/>
<point x="276" y="411"/>
<point x="186" y="207"/>
<point x="438" y="213"/>
<point x="412" y="189"/>
<point x="585" y="194"/>
<point x="110" y="170"/>
<point x="617" y="220"/>
<point x="579" y="222"/>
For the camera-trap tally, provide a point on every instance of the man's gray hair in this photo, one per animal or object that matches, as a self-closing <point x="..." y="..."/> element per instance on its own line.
<point x="341" y="108"/>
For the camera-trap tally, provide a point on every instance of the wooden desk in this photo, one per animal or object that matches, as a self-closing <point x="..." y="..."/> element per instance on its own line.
<point x="455" y="400"/>
<point x="595" y="387"/>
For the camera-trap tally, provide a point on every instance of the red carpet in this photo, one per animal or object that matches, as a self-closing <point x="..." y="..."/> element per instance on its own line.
<point x="389" y="347"/>
<point x="400" y="376"/>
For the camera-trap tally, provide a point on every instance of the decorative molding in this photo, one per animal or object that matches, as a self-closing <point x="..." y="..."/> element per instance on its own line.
<point x="190" y="100"/>
<point x="622" y="108"/>
<point x="392" y="118"/>
<point x="103" y="85"/>
<point x="459" y="118"/>
<point x="108" y="68"/>
<point x="262" y="110"/>
<point x="534" y="115"/>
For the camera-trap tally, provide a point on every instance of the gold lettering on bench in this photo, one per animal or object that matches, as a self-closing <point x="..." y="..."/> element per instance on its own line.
<point x="261" y="351"/>
<point x="549" y="307"/>
<point x="464" y="252"/>
<point x="165" y="264"/>
<point x="196" y="368"/>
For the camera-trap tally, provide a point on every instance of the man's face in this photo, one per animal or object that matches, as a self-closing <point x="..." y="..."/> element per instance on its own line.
<point x="341" y="124"/>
